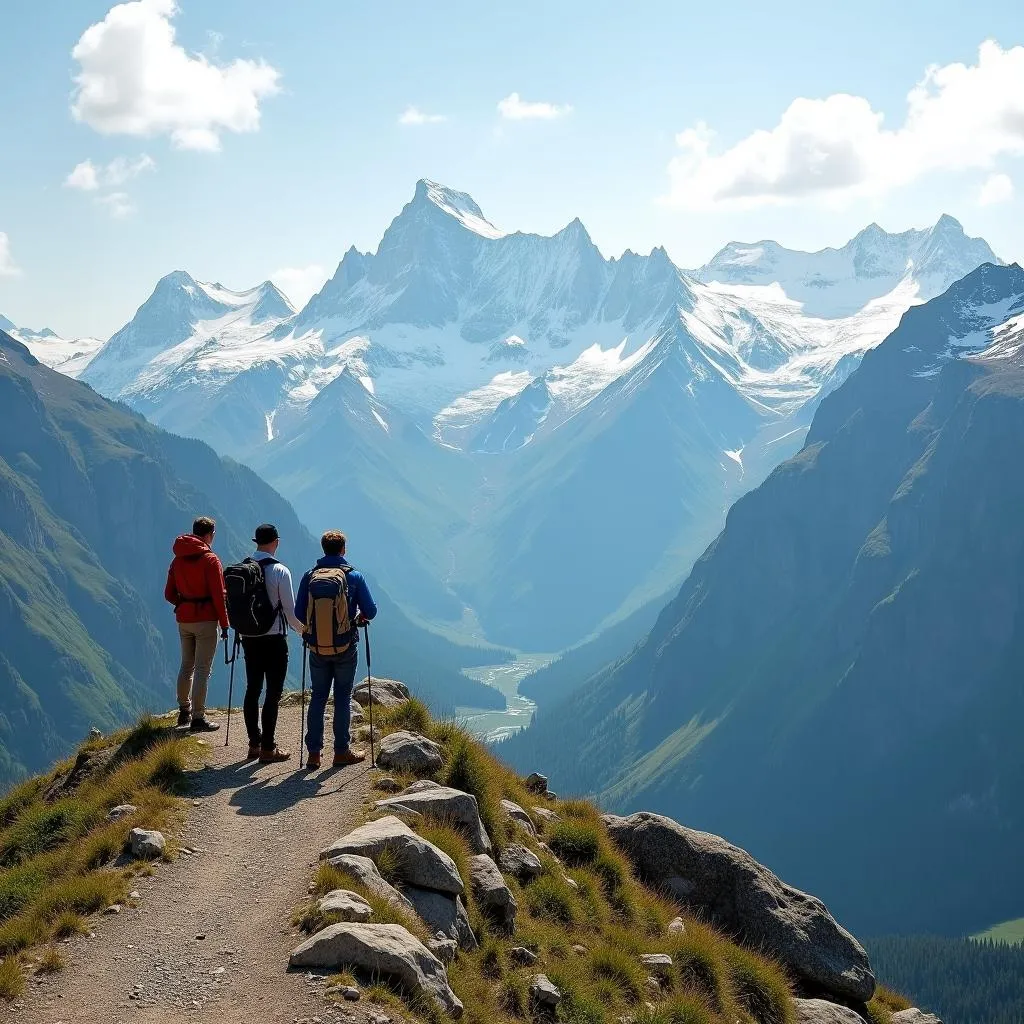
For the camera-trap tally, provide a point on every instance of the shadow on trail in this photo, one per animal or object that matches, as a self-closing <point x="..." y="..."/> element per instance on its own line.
<point x="268" y="794"/>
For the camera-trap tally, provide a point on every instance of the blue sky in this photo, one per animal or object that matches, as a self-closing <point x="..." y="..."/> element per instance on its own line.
<point x="273" y="139"/>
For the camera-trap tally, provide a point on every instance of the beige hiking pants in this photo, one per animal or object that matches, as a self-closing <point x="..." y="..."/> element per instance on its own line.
<point x="198" y="649"/>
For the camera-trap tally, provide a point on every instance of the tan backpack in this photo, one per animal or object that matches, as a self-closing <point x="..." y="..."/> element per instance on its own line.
<point x="328" y="624"/>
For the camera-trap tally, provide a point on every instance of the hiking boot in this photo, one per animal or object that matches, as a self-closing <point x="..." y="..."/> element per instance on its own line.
<point x="254" y="752"/>
<point x="203" y="725"/>
<point x="184" y="718"/>
<point x="275" y="756"/>
<point x="347" y="757"/>
<point x="313" y="761"/>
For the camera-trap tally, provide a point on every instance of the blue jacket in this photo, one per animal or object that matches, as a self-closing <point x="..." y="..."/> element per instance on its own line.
<point x="360" y="602"/>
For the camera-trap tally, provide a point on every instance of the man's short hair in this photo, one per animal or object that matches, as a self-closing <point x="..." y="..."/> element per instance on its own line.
<point x="333" y="542"/>
<point x="203" y="526"/>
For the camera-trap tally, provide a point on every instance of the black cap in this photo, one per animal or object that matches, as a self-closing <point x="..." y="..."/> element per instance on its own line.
<point x="265" y="534"/>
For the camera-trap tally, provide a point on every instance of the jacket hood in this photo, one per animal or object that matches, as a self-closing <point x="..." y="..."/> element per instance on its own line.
<point x="188" y="545"/>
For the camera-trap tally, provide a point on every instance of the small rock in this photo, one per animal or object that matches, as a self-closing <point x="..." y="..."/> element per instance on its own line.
<point x="350" y="993"/>
<point x="653" y="986"/>
<point x="409" y="815"/>
<point x="551" y="796"/>
<point x="520" y="862"/>
<point x="442" y="803"/>
<point x="114" y="908"/>
<point x="914" y="1016"/>
<point x="386" y="784"/>
<point x="523" y="956"/>
<point x="135" y="895"/>
<point x="201" y="937"/>
<point x="572" y="883"/>
<point x="146" y="844"/>
<point x="579" y="950"/>
<point x="543" y="992"/>
<point x="410" y="752"/>
<point x="546" y="815"/>
<point x="492" y="893"/>
<point x="821" y="1011"/>
<point x="537" y="783"/>
<point x="519" y="816"/>
<point x="217" y="971"/>
<point x="95" y="734"/>
<point x="444" y="949"/>
<point x="676" y="926"/>
<point x="346" y="905"/>
<point x="121" y="811"/>
<point x="657" y="963"/>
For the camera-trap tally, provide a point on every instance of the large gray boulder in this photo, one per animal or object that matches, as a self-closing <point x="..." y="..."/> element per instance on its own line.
<point x="444" y="914"/>
<point x="420" y="863"/>
<point x="914" y="1016"/>
<point x="493" y="896"/>
<point x="519" y="816"/>
<point x="387" y="949"/>
<point x="744" y="899"/>
<point x="410" y="752"/>
<point x="445" y="804"/>
<point x="519" y="862"/>
<point x="365" y="871"/>
<point x="819" y="1011"/>
<point x="386" y="693"/>
<point x="345" y="905"/>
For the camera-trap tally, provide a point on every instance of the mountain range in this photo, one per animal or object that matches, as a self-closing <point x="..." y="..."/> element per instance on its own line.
<point x="91" y="497"/>
<point x="837" y="683"/>
<point x="487" y="411"/>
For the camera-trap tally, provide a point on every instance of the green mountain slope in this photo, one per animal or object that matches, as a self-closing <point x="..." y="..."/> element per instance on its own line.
<point x="90" y="498"/>
<point x="837" y="684"/>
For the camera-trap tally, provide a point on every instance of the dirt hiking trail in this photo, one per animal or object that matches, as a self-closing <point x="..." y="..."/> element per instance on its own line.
<point x="210" y="937"/>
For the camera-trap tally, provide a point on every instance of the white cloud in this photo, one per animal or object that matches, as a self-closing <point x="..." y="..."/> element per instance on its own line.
<point x="958" y="117"/>
<point x="300" y="284"/>
<point x="413" y="115"/>
<point x="514" y="108"/>
<point x="88" y="177"/>
<point x="119" y="204"/>
<point x="997" y="189"/>
<point x="134" y="79"/>
<point x="83" y="177"/>
<point x="8" y="268"/>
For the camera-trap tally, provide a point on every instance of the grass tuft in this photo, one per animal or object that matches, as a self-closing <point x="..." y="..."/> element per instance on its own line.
<point x="51" y="962"/>
<point x="551" y="899"/>
<point x="576" y="842"/>
<point x="12" y="980"/>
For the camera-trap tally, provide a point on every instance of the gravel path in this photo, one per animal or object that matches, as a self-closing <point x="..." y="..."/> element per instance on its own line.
<point x="210" y="938"/>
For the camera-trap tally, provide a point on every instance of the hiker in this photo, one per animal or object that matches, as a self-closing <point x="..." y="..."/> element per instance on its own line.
<point x="265" y="649"/>
<point x="333" y="602"/>
<point x="195" y="586"/>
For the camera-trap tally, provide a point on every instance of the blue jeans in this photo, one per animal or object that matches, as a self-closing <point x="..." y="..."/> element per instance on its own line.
<point x="326" y="673"/>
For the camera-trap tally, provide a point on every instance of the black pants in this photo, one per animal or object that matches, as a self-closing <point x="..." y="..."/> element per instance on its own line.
<point x="266" y="659"/>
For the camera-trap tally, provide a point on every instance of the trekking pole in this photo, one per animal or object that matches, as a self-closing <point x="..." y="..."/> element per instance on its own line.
<point x="231" y="682"/>
<point x="302" y="716"/>
<point x="369" y="687"/>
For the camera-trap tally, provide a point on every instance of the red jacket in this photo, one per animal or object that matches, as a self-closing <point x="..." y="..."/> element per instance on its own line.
<point x="195" y="583"/>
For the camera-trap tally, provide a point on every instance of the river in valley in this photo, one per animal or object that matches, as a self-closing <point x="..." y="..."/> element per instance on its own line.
<point x="496" y="725"/>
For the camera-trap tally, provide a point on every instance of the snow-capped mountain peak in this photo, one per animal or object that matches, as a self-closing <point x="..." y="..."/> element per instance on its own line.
<point x="68" y="355"/>
<point x="458" y="205"/>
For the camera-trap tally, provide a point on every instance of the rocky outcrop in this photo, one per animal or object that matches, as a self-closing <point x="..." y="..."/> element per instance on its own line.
<point x="445" y="804"/>
<point x="544" y="994"/>
<point x="519" y="816"/>
<point x="365" y="872"/>
<point x="387" y="949"/>
<point x="819" y="1011"/>
<point x="521" y="863"/>
<point x="744" y="899"/>
<point x="345" y="905"/>
<point x="387" y="693"/>
<point x="420" y="863"/>
<point x="443" y="914"/>
<point x="409" y="752"/>
<point x="914" y="1016"/>
<point x="492" y="893"/>
<point x="121" y="811"/>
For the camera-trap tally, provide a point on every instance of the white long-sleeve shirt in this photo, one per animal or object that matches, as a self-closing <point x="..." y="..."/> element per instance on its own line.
<point x="280" y="592"/>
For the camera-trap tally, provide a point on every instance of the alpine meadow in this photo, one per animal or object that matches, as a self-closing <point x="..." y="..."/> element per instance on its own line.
<point x="598" y="599"/>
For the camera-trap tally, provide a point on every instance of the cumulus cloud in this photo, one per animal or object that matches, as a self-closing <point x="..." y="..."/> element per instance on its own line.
<point x="959" y="117"/>
<point x="997" y="189"/>
<point x="413" y="115"/>
<point x="84" y="177"/>
<point x="134" y="79"/>
<point x="8" y="268"/>
<point x="300" y="284"/>
<point x="87" y="177"/>
<point x="514" y="108"/>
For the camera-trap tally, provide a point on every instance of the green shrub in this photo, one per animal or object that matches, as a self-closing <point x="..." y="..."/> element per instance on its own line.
<point x="550" y="899"/>
<point x="697" y="961"/>
<point x="470" y="768"/>
<point x="44" y="827"/>
<point x="413" y="716"/>
<point x="620" y="967"/>
<point x="576" y="842"/>
<point x="893" y="1000"/>
<point x="761" y="988"/>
